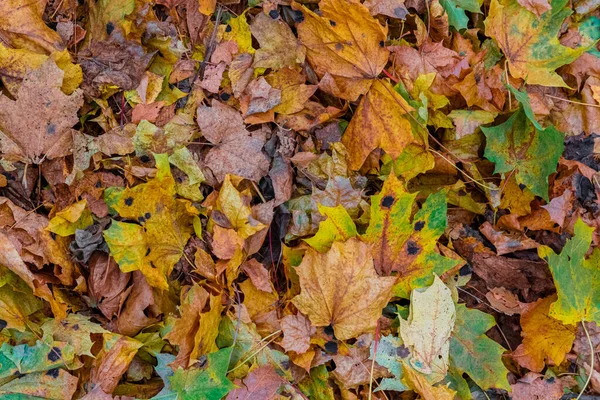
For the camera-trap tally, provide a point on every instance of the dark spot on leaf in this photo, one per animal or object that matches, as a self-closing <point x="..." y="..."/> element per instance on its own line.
<point x="53" y="235"/>
<point x="54" y="354"/>
<point x="18" y="374"/>
<point x="129" y="201"/>
<point x="332" y="22"/>
<point x="145" y="158"/>
<point x="141" y="220"/>
<point x="51" y="129"/>
<point x="285" y="364"/>
<point x="465" y="270"/>
<point x="419" y="225"/>
<point x="2" y="324"/>
<point x="297" y="16"/>
<point x="522" y="186"/>
<point x="274" y="14"/>
<point x="331" y="347"/>
<point x="551" y="379"/>
<point x="412" y="248"/>
<point x="76" y="327"/>
<point x="402" y="351"/>
<point x="110" y="27"/>
<point x="381" y="44"/>
<point x="53" y="373"/>
<point x="387" y="201"/>
<point x="228" y="28"/>
<point x="462" y="193"/>
<point x="148" y="251"/>
<point x="147" y="215"/>
<point x="225" y="96"/>
<point x="339" y="46"/>
<point x="400" y="12"/>
<point x="98" y="185"/>
<point x="556" y="225"/>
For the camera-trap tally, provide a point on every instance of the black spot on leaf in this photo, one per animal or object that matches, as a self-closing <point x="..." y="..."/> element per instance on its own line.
<point x="141" y="220"/>
<point x="274" y="14"/>
<point x="110" y="27"/>
<point x="225" y="96"/>
<point x="297" y="16"/>
<point x="54" y="354"/>
<point x="228" y="28"/>
<point x="387" y="201"/>
<point x="148" y="251"/>
<point x="465" y="270"/>
<point x="522" y="186"/>
<point x="419" y="225"/>
<point x="412" y="248"/>
<point x="402" y="351"/>
<point x="129" y="201"/>
<point x="147" y="215"/>
<point x="145" y="158"/>
<point x="2" y="324"/>
<point x="76" y="327"/>
<point x="53" y="373"/>
<point x="332" y="22"/>
<point x="381" y="44"/>
<point x="329" y="331"/>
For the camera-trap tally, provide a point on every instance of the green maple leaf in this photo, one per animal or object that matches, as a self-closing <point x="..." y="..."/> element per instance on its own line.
<point x="316" y="385"/>
<point x="456" y="11"/>
<point x="472" y="352"/>
<point x="531" y="152"/>
<point x="531" y="45"/>
<point x="575" y="278"/>
<point x="207" y="383"/>
<point x="406" y="244"/>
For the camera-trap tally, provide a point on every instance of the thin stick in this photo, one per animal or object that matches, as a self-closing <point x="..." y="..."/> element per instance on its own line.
<point x="373" y="362"/>
<point x="592" y="362"/>
<point x="573" y="101"/>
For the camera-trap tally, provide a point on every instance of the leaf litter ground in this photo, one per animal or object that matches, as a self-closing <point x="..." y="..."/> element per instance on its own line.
<point x="334" y="199"/>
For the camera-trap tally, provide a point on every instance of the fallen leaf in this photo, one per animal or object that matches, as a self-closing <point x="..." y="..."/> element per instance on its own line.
<point x="331" y="36"/>
<point x="261" y="384"/>
<point x="534" y="386"/>
<point x="258" y="274"/>
<point x="428" y="329"/>
<point x="544" y="338"/>
<point x="419" y="384"/>
<point x="50" y="114"/>
<point x="340" y="288"/>
<point x="531" y="46"/>
<point x="279" y="48"/>
<point x="297" y="331"/>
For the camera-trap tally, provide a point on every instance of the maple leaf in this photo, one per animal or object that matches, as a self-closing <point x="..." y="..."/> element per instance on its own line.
<point x="68" y="220"/>
<point x="50" y="116"/>
<point x="577" y="300"/>
<point x="238" y="152"/>
<point x="208" y="383"/>
<point x="402" y="246"/>
<point x="346" y="62"/>
<point x="543" y="337"/>
<point x="164" y="224"/>
<point x="340" y="288"/>
<point x="456" y="11"/>
<point x="378" y="122"/>
<point x="419" y="384"/>
<point x="475" y="354"/>
<point x="530" y="45"/>
<point x="427" y="331"/>
<point x="279" y="47"/>
<point x="531" y="152"/>
<point x="261" y="383"/>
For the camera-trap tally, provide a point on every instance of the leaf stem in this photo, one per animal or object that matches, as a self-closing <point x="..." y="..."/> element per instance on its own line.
<point x="592" y="361"/>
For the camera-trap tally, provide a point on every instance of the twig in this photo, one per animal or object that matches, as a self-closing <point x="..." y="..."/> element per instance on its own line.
<point x="593" y="355"/>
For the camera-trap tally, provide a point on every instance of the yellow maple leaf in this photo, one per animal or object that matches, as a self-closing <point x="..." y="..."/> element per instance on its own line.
<point x="341" y="288"/>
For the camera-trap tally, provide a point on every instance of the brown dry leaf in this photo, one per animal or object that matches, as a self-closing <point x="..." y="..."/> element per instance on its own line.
<point x="340" y="288"/>
<point x="507" y="242"/>
<point x="419" y="384"/>
<point x="237" y="151"/>
<point x="545" y="339"/>
<point x="346" y="63"/>
<point x="195" y="331"/>
<point x="258" y="274"/>
<point x="260" y="97"/>
<point x="139" y="307"/>
<point x="504" y="301"/>
<point x="106" y="283"/>
<point x="113" y="360"/>
<point x="22" y="26"/>
<point x="354" y="368"/>
<point x="226" y="242"/>
<point x="294" y="92"/>
<point x="559" y="207"/>
<point x="378" y="122"/>
<point x="261" y="383"/>
<point x="534" y="387"/>
<point x="483" y="88"/>
<point x="297" y="331"/>
<point x="391" y="8"/>
<point x="279" y="48"/>
<point x="50" y="116"/>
